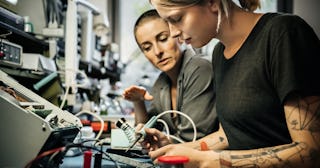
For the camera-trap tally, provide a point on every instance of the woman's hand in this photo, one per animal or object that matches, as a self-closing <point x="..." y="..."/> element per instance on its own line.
<point x="200" y="159"/>
<point x="136" y="93"/>
<point x="154" y="139"/>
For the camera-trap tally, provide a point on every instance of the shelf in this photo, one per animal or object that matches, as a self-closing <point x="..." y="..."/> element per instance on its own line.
<point x="28" y="41"/>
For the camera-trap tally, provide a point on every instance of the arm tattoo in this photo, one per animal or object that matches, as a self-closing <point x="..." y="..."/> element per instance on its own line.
<point x="258" y="158"/>
<point x="309" y="119"/>
<point x="303" y="116"/>
<point x="221" y="140"/>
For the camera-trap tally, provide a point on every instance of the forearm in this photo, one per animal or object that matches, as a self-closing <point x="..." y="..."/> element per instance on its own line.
<point x="214" y="141"/>
<point x="140" y="112"/>
<point x="289" y="155"/>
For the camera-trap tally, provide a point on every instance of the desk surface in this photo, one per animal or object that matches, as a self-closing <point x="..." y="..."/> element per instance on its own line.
<point x="77" y="162"/>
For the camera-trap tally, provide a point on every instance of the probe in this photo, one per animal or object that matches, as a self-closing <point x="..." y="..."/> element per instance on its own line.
<point x="142" y="134"/>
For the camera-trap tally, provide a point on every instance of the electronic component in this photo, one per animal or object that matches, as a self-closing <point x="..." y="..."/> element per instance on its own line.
<point x="33" y="124"/>
<point x="37" y="62"/>
<point x="10" y="54"/>
<point x="127" y="129"/>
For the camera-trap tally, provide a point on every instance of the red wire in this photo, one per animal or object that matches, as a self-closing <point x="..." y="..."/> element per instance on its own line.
<point x="43" y="154"/>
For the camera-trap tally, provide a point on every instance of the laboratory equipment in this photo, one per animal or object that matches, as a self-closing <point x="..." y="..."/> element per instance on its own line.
<point x="32" y="126"/>
<point x="128" y="130"/>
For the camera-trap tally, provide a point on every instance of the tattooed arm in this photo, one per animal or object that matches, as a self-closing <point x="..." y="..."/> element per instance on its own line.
<point x="216" y="141"/>
<point x="303" y="120"/>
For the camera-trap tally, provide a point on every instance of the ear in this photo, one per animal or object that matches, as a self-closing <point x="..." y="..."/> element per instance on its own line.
<point x="214" y="5"/>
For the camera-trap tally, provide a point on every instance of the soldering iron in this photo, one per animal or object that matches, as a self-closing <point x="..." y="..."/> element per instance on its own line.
<point x="140" y="135"/>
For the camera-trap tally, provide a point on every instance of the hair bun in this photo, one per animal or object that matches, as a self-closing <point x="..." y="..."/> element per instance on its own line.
<point x="250" y="5"/>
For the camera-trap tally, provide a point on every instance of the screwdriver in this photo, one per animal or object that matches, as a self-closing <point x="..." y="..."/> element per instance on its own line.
<point x="142" y="134"/>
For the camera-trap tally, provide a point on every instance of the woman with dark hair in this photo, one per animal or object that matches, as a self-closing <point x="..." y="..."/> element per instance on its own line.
<point x="185" y="84"/>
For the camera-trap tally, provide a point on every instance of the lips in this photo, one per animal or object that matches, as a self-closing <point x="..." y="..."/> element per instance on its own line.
<point x="163" y="61"/>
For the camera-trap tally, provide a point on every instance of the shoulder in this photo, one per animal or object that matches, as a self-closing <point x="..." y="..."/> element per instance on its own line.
<point x="197" y="65"/>
<point x="192" y="59"/>
<point x="281" y="23"/>
<point x="198" y="60"/>
<point x="283" y="18"/>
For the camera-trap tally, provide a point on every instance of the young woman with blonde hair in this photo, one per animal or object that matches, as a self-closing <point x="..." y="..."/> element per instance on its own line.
<point x="267" y="85"/>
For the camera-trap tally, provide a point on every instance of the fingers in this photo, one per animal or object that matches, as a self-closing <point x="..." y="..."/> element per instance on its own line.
<point x="147" y="96"/>
<point x="154" y="138"/>
<point x="156" y="133"/>
<point x="153" y="131"/>
<point x="159" y="152"/>
<point x="135" y="93"/>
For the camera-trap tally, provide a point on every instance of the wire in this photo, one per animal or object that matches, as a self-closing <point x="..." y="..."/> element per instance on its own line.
<point x="185" y="115"/>
<point x="168" y="132"/>
<point x="95" y="115"/>
<point x="5" y="34"/>
<point x="80" y="145"/>
<point x="64" y="97"/>
<point x="43" y="154"/>
<point x="73" y="85"/>
<point x="166" y="127"/>
<point x="53" y="155"/>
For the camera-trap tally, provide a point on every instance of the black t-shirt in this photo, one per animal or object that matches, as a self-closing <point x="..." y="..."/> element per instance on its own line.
<point x="280" y="56"/>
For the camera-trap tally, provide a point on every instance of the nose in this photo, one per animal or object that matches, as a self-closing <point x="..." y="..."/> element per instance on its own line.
<point x="158" y="51"/>
<point x="174" y="32"/>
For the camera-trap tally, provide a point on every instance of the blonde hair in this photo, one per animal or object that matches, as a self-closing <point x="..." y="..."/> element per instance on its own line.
<point x="249" y="5"/>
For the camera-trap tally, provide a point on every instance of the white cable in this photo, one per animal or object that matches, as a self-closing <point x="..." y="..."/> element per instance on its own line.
<point x="75" y="85"/>
<point x="95" y="115"/>
<point x="64" y="97"/>
<point x="166" y="127"/>
<point x="178" y="112"/>
<point x="168" y="132"/>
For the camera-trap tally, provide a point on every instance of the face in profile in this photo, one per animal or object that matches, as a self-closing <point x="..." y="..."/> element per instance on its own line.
<point x="163" y="51"/>
<point x="194" y="24"/>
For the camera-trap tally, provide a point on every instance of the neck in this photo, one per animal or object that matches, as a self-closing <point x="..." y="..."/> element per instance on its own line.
<point x="235" y="29"/>
<point x="174" y="72"/>
<point x="173" y="75"/>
